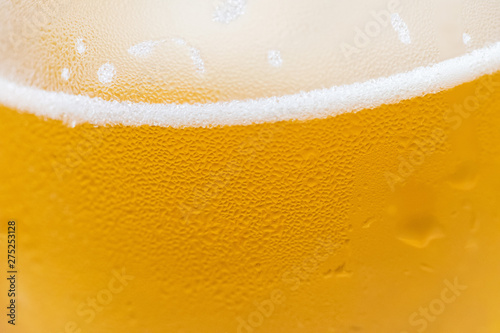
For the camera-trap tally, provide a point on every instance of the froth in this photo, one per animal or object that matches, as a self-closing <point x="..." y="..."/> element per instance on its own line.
<point x="78" y="109"/>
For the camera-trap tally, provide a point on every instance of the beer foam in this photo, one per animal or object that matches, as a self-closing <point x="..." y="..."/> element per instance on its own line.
<point x="198" y="62"/>
<point x="65" y="74"/>
<point x="229" y="11"/>
<point x="401" y="28"/>
<point x="321" y="103"/>
<point x="144" y="49"/>
<point x="80" y="46"/>
<point x="274" y="58"/>
<point x="106" y="73"/>
<point x="466" y="38"/>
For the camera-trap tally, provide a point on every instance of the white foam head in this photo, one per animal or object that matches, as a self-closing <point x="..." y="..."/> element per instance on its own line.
<point x="246" y="61"/>
<point x="77" y="109"/>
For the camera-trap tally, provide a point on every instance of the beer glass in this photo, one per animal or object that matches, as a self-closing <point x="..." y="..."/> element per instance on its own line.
<point x="250" y="166"/>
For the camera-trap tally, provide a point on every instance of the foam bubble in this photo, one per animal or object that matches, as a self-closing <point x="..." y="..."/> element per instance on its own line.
<point x="144" y="49"/>
<point x="106" y="73"/>
<point x="198" y="62"/>
<point x="274" y="58"/>
<point x="65" y="74"/>
<point x="322" y="103"/>
<point x="179" y="41"/>
<point x="466" y="38"/>
<point x="229" y="11"/>
<point x="194" y="53"/>
<point x="401" y="28"/>
<point x="80" y="46"/>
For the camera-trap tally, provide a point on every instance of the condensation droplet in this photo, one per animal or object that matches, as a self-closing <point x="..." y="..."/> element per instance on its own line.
<point x="274" y="58"/>
<point x="426" y="268"/>
<point x="401" y="28"/>
<point x="419" y="230"/>
<point x="80" y="46"/>
<point x="65" y="74"/>
<point x="106" y="73"/>
<point x="368" y="222"/>
<point x="308" y="153"/>
<point x="313" y="181"/>
<point x="413" y="210"/>
<point x="342" y="272"/>
<point x="229" y="11"/>
<point x="465" y="177"/>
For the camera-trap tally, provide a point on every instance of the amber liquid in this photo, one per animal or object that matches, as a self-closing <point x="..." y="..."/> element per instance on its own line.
<point x="384" y="220"/>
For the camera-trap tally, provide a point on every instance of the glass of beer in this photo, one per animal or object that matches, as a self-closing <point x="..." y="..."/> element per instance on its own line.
<point x="246" y="166"/>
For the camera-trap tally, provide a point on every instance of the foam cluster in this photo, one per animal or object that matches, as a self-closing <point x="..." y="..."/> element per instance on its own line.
<point x="321" y="103"/>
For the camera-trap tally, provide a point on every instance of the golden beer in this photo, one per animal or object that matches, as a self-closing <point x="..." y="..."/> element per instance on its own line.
<point x="308" y="212"/>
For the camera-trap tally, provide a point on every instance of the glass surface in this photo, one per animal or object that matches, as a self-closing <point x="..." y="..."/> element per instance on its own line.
<point x="250" y="166"/>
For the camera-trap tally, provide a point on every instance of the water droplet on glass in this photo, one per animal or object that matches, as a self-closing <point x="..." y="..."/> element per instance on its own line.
<point x="471" y="245"/>
<point x="419" y="231"/>
<point x="368" y="222"/>
<point x="342" y="272"/>
<point x="426" y="268"/>
<point x="465" y="177"/>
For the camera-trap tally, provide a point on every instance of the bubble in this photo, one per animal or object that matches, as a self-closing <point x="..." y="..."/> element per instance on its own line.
<point x="274" y="58"/>
<point x="198" y="62"/>
<point x="106" y="73"/>
<point x="466" y="38"/>
<point x="144" y="49"/>
<point x="229" y="11"/>
<point x="179" y="41"/>
<point x="65" y="74"/>
<point x="80" y="46"/>
<point x="401" y="28"/>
